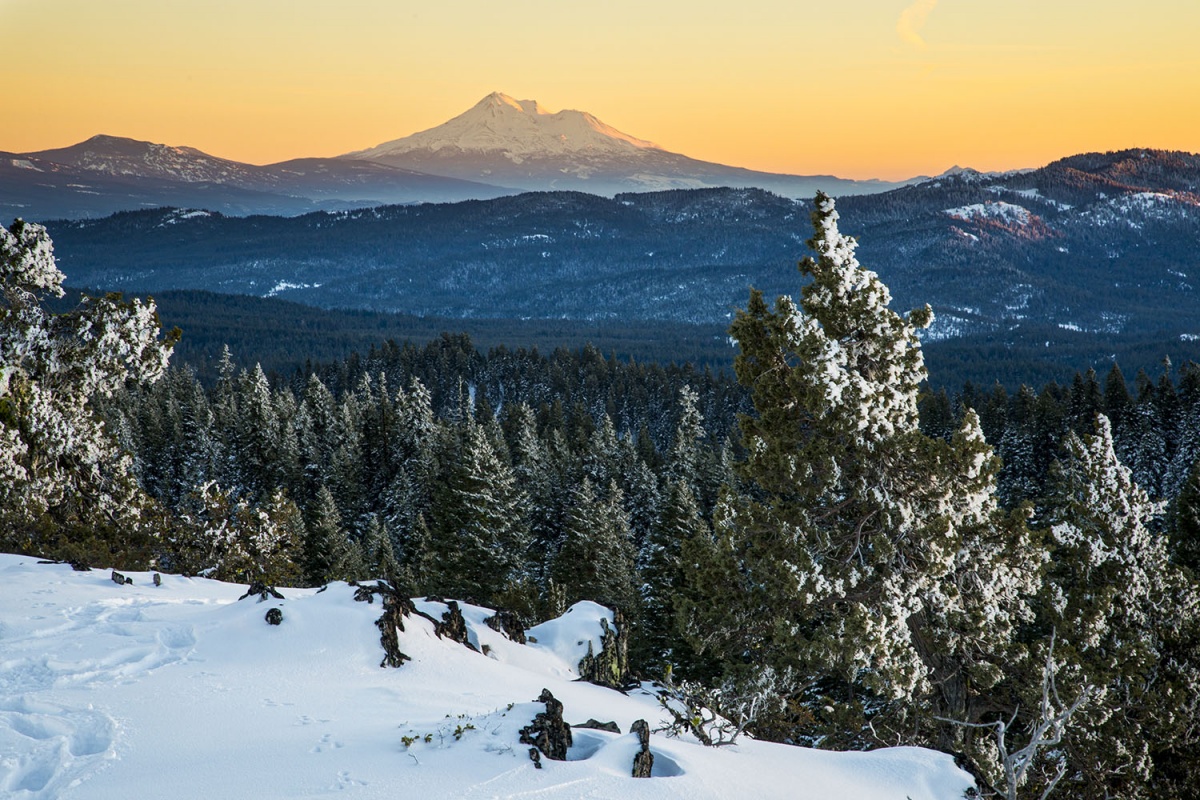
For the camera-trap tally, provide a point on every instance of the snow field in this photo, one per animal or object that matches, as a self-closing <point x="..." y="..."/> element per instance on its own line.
<point x="181" y="691"/>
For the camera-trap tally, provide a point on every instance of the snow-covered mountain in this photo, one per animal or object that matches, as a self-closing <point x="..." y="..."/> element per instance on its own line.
<point x="518" y="128"/>
<point x="182" y="690"/>
<point x="498" y="147"/>
<point x="512" y="142"/>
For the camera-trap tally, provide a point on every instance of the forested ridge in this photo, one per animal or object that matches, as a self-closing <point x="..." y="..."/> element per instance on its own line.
<point x="820" y="549"/>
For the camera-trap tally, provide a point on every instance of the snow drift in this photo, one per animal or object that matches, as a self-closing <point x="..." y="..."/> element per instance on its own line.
<point x="180" y="690"/>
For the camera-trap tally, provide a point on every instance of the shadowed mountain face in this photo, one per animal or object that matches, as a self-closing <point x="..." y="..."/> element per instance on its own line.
<point x="517" y="143"/>
<point x="1098" y="243"/>
<point x="107" y="174"/>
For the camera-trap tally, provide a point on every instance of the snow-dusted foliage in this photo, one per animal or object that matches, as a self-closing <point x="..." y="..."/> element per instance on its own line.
<point x="1125" y="615"/>
<point x="228" y="539"/>
<point x="876" y="558"/>
<point x="57" y="464"/>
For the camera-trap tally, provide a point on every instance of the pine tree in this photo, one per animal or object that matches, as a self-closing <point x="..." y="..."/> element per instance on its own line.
<point x="683" y="458"/>
<point x="377" y="543"/>
<point x="1115" y="601"/>
<point x="324" y="539"/>
<point x="835" y="570"/>
<point x="1185" y="524"/>
<point x="1117" y="401"/>
<point x="661" y="565"/>
<point x="596" y="561"/>
<point x="1020" y="480"/>
<point x="316" y="433"/>
<point x="479" y="531"/>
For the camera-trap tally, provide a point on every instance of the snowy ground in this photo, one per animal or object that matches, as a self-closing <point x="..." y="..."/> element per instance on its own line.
<point x="180" y="691"/>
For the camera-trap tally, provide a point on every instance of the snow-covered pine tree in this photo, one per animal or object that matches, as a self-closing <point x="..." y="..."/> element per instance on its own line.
<point x="381" y="557"/>
<point x="479" y="531"/>
<point x="684" y="455"/>
<point x="324" y="539"/>
<point x="1187" y="431"/>
<point x="1020" y="481"/>
<point x="661" y="567"/>
<point x="842" y="563"/>
<point x="1124" y="615"/>
<point x="1185" y="524"/>
<point x="596" y="561"/>
<point x="316" y="432"/>
<point x="65" y="488"/>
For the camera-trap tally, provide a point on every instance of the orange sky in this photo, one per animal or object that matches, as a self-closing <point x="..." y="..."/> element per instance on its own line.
<point x="856" y="88"/>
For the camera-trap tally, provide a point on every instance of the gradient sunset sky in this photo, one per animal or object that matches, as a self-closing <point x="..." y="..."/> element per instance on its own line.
<point x="856" y="88"/>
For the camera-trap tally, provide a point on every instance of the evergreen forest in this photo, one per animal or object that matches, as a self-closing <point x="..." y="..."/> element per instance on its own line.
<point x="820" y="547"/>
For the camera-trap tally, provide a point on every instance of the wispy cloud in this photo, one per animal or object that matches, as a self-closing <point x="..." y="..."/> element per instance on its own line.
<point x="912" y="19"/>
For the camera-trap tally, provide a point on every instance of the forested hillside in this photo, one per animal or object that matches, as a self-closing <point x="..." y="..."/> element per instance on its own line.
<point x="1102" y="243"/>
<point x="820" y="550"/>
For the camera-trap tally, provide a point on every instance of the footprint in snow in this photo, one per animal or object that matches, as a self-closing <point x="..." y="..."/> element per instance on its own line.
<point x="344" y="781"/>
<point x="49" y="747"/>
<point x="327" y="743"/>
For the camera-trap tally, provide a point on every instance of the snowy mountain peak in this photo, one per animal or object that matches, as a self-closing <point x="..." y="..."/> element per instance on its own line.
<point x="116" y="155"/>
<point x="501" y="100"/>
<point x="517" y="129"/>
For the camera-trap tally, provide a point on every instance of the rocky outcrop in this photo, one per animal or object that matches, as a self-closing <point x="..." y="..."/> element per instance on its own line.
<point x="262" y="591"/>
<point x="119" y="579"/>
<point x="395" y="609"/>
<point x="609" y="667"/>
<point x="596" y="725"/>
<point x="548" y="734"/>
<point x="274" y="616"/>
<point x="643" y="760"/>
<point x="453" y="626"/>
<point x="509" y="623"/>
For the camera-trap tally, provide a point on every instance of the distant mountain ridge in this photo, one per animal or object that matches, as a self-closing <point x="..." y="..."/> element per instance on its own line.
<point x="108" y="173"/>
<point x="498" y="147"/>
<point x="1098" y="244"/>
<point x="517" y="143"/>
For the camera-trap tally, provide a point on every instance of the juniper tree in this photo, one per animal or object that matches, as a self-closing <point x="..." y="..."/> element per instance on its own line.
<point x="1124" y="615"/>
<point x="65" y="488"/>
<point x="841" y="565"/>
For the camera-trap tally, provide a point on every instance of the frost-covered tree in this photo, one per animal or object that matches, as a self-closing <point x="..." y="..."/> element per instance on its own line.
<point x="845" y="563"/>
<point x="229" y="539"/>
<point x="683" y="458"/>
<point x="1122" y="611"/>
<point x="65" y="488"/>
